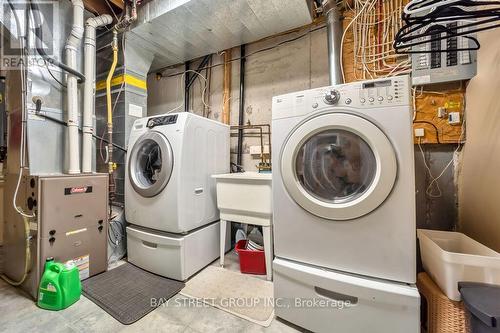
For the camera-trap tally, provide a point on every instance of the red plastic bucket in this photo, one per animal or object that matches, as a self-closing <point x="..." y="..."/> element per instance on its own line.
<point x="251" y="262"/>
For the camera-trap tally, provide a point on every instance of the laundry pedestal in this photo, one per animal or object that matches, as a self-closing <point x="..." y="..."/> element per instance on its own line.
<point x="246" y="198"/>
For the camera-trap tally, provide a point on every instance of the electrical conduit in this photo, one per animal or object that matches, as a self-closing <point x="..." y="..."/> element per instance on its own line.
<point x="114" y="46"/>
<point x="72" y="45"/>
<point x="89" y="89"/>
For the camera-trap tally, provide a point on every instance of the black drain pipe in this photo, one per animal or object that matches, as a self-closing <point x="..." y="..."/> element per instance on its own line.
<point x="186" y="86"/>
<point x="242" y="105"/>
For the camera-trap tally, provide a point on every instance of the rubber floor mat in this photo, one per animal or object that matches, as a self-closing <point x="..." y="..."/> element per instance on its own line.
<point x="125" y="292"/>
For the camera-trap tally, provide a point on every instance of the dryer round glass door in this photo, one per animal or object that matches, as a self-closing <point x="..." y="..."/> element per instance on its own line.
<point x="338" y="166"/>
<point x="150" y="164"/>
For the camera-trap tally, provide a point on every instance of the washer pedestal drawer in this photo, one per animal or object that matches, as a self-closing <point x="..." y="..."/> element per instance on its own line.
<point x="328" y="301"/>
<point x="175" y="256"/>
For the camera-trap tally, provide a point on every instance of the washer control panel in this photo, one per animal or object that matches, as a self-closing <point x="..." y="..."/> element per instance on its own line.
<point x="162" y="120"/>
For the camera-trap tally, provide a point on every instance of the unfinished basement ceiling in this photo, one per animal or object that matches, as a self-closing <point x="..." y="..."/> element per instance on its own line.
<point x="180" y="30"/>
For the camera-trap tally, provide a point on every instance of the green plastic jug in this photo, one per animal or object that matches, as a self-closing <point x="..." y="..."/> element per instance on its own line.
<point x="60" y="285"/>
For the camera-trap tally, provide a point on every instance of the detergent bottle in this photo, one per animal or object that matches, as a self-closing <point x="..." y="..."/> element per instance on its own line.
<point x="60" y="285"/>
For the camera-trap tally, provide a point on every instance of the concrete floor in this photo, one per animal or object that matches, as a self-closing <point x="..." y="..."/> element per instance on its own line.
<point x="18" y="313"/>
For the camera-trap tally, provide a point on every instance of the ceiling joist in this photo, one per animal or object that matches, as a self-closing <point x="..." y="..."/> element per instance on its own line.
<point x="100" y="7"/>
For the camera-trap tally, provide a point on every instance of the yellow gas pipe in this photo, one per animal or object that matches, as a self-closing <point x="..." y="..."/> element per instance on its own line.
<point x="114" y="46"/>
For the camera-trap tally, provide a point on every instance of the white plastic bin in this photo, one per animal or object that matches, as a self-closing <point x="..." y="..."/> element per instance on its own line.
<point x="451" y="257"/>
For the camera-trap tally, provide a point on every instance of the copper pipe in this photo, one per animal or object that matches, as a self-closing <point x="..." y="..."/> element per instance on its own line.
<point x="226" y="96"/>
<point x="268" y="133"/>
<point x="260" y="127"/>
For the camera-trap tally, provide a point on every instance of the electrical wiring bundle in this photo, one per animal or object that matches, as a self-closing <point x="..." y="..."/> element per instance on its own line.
<point x="374" y="24"/>
<point x="427" y="21"/>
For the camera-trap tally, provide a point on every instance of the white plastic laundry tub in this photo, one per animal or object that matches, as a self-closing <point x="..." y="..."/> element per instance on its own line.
<point x="450" y="257"/>
<point x="245" y="196"/>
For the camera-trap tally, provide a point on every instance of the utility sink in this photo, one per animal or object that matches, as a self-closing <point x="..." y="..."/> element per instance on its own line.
<point x="245" y="196"/>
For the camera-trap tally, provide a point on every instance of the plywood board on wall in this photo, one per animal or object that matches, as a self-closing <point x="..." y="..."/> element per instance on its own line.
<point x="436" y="129"/>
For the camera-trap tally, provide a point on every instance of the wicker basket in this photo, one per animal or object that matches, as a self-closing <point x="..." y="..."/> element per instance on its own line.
<point x="443" y="314"/>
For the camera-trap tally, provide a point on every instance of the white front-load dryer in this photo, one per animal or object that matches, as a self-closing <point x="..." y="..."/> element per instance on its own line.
<point x="168" y="183"/>
<point x="343" y="178"/>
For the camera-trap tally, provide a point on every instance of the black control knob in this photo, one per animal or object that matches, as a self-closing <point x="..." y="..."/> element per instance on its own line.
<point x="332" y="97"/>
<point x="31" y="203"/>
<point x="52" y="232"/>
<point x="100" y="228"/>
<point x="52" y="240"/>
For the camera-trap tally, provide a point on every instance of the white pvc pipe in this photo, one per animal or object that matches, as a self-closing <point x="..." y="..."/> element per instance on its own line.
<point x="89" y="88"/>
<point x="72" y="46"/>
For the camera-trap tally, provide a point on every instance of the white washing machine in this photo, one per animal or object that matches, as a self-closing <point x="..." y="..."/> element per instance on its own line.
<point x="168" y="184"/>
<point x="170" y="196"/>
<point x="344" y="205"/>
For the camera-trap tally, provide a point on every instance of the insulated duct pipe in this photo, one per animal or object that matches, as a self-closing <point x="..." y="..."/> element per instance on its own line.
<point x="334" y="35"/>
<point x="72" y="45"/>
<point x="89" y="89"/>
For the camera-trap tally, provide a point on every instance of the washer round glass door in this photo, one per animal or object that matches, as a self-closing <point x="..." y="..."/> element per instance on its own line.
<point x="338" y="166"/>
<point x="150" y="164"/>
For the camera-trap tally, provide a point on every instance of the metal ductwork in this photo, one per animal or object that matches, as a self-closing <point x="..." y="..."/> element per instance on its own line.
<point x="334" y="35"/>
<point x="178" y="31"/>
<point x="129" y="100"/>
<point x="47" y="140"/>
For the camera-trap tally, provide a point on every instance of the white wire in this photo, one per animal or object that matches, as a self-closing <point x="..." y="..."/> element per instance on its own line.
<point x="375" y="57"/>
<point x="429" y="172"/>
<point x="434" y="180"/>
<point x="426" y="8"/>
<point x="23" y="122"/>
<point x="414" y="100"/>
<point x="183" y="94"/>
<point x="344" y="34"/>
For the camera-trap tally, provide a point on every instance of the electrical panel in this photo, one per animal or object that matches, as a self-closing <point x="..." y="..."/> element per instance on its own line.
<point x="441" y="62"/>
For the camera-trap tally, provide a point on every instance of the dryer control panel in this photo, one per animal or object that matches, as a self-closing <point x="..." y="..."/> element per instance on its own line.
<point x="162" y="120"/>
<point x="376" y="93"/>
<point x="379" y="93"/>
